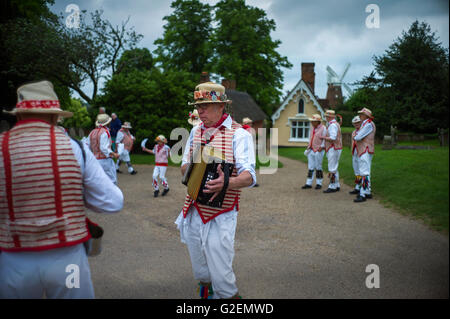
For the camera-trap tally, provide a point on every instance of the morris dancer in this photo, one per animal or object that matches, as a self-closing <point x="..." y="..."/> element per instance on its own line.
<point x="162" y="153"/>
<point x="193" y="118"/>
<point x="333" y="147"/>
<point x="45" y="186"/>
<point x="315" y="152"/>
<point x="124" y="136"/>
<point x="365" y="146"/>
<point x="208" y="231"/>
<point x="99" y="142"/>
<point x="356" y="121"/>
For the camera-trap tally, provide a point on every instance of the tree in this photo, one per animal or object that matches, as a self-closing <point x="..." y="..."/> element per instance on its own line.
<point x="135" y="59"/>
<point x="80" y="118"/>
<point x="185" y="44"/>
<point x="71" y="57"/>
<point x="245" y="51"/>
<point x="154" y="101"/>
<point x="411" y="82"/>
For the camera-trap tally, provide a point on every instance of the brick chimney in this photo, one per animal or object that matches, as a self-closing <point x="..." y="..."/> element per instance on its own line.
<point x="308" y="74"/>
<point x="229" y="84"/>
<point x="204" y="77"/>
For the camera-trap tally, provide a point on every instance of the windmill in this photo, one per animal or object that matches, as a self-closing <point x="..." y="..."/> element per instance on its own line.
<point x="335" y="83"/>
<point x="336" y="80"/>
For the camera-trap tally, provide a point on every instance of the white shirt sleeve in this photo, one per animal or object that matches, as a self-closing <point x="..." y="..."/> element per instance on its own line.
<point x="333" y="131"/>
<point x="100" y="193"/>
<point x="244" y="153"/>
<point x="187" y="147"/>
<point x="105" y="147"/>
<point x="364" y="131"/>
<point x="119" y="137"/>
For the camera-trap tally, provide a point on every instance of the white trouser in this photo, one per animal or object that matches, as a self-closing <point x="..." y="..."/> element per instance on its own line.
<point x="211" y="248"/>
<point x="59" y="273"/>
<point x="333" y="157"/>
<point x="160" y="171"/>
<point x="355" y="163"/>
<point x="365" y="163"/>
<point x="109" y="168"/>
<point x="125" y="157"/>
<point x="315" y="160"/>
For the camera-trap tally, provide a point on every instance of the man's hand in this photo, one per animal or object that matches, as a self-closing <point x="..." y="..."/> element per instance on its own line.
<point x="216" y="185"/>
<point x="115" y="155"/>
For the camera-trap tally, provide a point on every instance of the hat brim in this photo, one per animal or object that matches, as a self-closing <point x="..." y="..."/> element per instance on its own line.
<point x="315" y="120"/>
<point x="103" y="124"/>
<point x="204" y="102"/>
<point x="127" y="127"/>
<point x="58" y="112"/>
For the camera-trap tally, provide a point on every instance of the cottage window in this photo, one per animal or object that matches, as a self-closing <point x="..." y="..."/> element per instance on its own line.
<point x="301" y="106"/>
<point x="299" y="130"/>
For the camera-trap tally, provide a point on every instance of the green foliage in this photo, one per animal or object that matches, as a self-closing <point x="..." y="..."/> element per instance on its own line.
<point x="135" y="59"/>
<point x="412" y="87"/>
<point x="185" y="44"/>
<point x="245" y="51"/>
<point x="80" y="118"/>
<point x="155" y="102"/>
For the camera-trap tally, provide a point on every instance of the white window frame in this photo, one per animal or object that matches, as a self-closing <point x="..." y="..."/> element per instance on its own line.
<point x="303" y="127"/>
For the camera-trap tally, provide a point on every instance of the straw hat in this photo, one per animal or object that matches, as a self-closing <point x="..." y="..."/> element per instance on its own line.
<point x="247" y="120"/>
<point x="126" y="125"/>
<point x="366" y="112"/>
<point x="330" y="113"/>
<point x="209" y="92"/>
<point x="356" y="119"/>
<point x="38" y="97"/>
<point x="161" y="138"/>
<point x="316" y="118"/>
<point x="102" y="120"/>
<point x="194" y="118"/>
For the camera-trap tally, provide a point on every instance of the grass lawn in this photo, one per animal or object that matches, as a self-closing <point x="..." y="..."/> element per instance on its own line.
<point x="414" y="182"/>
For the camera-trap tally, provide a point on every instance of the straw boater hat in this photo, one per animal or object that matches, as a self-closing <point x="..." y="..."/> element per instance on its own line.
<point x="161" y="138"/>
<point x="316" y="118"/>
<point x="38" y="97"/>
<point x="247" y="120"/>
<point x="126" y="125"/>
<point x="331" y="113"/>
<point x="194" y="118"/>
<point x="209" y="92"/>
<point x="103" y="120"/>
<point x="356" y="119"/>
<point x="367" y="112"/>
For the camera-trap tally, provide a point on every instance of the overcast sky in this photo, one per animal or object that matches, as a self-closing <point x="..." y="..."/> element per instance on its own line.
<point x="325" y="32"/>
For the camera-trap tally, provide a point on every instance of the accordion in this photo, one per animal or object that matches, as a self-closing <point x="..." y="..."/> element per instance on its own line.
<point x="203" y="168"/>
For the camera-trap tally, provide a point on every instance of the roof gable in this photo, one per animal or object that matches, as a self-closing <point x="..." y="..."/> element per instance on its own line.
<point x="305" y="91"/>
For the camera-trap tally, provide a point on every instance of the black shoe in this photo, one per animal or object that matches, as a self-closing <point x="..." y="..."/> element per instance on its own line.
<point x="338" y="189"/>
<point x="306" y="186"/>
<point x="330" y="190"/>
<point x="119" y="171"/>
<point x="359" y="199"/>
<point x="133" y="173"/>
<point x="318" y="187"/>
<point x="165" y="192"/>
<point x="155" y="194"/>
<point x="256" y="185"/>
<point x="369" y="196"/>
<point x="354" y="192"/>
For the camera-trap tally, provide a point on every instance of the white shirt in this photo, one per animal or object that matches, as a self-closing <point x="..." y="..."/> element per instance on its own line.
<point x="243" y="149"/>
<point x="120" y="136"/>
<point x="332" y="129"/>
<point x="365" y="129"/>
<point x="100" y="193"/>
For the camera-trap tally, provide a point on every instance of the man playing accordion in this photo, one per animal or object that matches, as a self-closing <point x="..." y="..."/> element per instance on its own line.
<point x="206" y="228"/>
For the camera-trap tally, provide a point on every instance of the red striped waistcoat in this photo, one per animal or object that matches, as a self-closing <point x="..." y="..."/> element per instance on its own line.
<point x="94" y="139"/>
<point x="314" y="141"/>
<point x="41" y="200"/>
<point x="223" y="141"/>
<point x="127" y="140"/>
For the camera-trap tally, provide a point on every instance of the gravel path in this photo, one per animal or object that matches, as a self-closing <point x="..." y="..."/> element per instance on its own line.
<point x="290" y="243"/>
